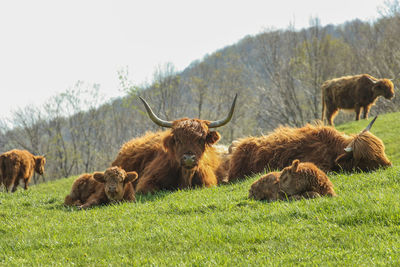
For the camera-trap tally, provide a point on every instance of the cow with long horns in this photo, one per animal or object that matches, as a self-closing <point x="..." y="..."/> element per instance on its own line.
<point x="180" y="157"/>
<point x="327" y="148"/>
<point x="353" y="93"/>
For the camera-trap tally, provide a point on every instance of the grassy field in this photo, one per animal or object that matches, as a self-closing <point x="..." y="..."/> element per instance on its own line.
<point x="214" y="226"/>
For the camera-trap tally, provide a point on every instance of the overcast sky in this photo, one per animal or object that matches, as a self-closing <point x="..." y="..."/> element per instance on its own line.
<point x="46" y="46"/>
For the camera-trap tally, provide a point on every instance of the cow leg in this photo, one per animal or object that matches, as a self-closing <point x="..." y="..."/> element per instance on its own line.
<point x="26" y="181"/>
<point x="72" y="200"/>
<point x="305" y="195"/>
<point x="331" y="114"/>
<point x="366" y="111"/>
<point x="357" y="109"/>
<point x="7" y="184"/>
<point x="91" y="201"/>
<point x="16" y="183"/>
<point x="310" y="194"/>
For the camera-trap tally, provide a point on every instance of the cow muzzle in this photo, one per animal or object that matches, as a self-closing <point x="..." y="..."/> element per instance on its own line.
<point x="389" y="95"/>
<point x="189" y="161"/>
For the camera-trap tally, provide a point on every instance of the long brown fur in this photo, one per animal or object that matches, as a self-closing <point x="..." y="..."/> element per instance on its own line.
<point x="353" y="93"/>
<point x="300" y="180"/>
<point x="102" y="188"/>
<point x="322" y="145"/>
<point x="19" y="165"/>
<point x="157" y="157"/>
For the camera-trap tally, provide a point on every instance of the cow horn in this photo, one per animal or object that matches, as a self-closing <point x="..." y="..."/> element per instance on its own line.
<point x="370" y="125"/>
<point x="154" y="118"/>
<point x="215" y="124"/>
<point x="348" y="149"/>
<point x="372" y="80"/>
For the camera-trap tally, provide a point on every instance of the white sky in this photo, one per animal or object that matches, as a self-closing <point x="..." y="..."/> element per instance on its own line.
<point x="48" y="45"/>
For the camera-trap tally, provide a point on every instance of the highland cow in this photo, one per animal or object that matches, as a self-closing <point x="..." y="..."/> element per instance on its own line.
<point x="16" y="165"/>
<point x="178" y="158"/>
<point x="112" y="185"/>
<point x="300" y="180"/>
<point x="353" y="93"/>
<point x="327" y="148"/>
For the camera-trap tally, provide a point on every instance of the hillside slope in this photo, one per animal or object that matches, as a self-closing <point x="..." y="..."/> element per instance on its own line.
<point x="215" y="226"/>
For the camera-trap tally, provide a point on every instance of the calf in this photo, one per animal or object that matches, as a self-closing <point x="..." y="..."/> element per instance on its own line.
<point x="300" y="180"/>
<point x="16" y="165"/>
<point x="99" y="188"/>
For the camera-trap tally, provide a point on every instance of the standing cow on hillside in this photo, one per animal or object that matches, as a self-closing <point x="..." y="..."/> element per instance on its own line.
<point x="19" y="164"/>
<point x="178" y="158"/>
<point x="353" y="93"/>
<point x="327" y="148"/>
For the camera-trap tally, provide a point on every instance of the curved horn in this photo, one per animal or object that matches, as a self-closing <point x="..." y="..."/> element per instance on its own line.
<point x="373" y="81"/>
<point x="153" y="117"/>
<point x="370" y="125"/>
<point x="215" y="124"/>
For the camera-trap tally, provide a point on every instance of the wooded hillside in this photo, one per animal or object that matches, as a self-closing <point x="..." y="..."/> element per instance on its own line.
<point x="276" y="73"/>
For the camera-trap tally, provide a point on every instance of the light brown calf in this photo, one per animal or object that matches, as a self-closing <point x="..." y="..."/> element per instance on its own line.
<point x="102" y="188"/>
<point x="300" y="180"/>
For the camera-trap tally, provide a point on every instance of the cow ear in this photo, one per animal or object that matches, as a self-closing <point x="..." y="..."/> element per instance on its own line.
<point x="344" y="160"/>
<point x="99" y="177"/>
<point x="131" y="177"/>
<point x="212" y="137"/>
<point x="168" y="142"/>
<point x="40" y="160"/>
<point x="295" y="165"/>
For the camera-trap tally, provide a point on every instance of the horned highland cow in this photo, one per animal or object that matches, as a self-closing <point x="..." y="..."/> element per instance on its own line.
<point x="353" y="93"/>
<point x="180" y="157"/>
<point x="300" y="180"/>
<point x="16" y="165"/>
<point x="112" y="185"/>
<point x="327" y="148"/>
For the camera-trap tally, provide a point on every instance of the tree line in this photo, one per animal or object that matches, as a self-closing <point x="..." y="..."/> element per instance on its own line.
<point x="276" y="73"/>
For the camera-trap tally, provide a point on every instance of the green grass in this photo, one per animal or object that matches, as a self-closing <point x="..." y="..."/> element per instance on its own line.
<point x="214" y="226"/>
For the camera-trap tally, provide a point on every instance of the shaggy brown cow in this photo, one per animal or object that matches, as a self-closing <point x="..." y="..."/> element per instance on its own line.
<point x="99" y="188"/>
<point x="177" y="158"/>
<point x="300" y="180"/>
<point x="353" y="93"/>
<point x="19" y="164"/>
<point x="324" y="146"/>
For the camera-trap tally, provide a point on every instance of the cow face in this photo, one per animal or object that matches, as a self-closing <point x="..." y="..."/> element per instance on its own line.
<point x="114" y="180"/>
<point x="40" y="161"/>
<point x="266" y="188"/>
<point x="292" y="177"/>
<point x="365" y="152"/>
<point x="189" y="137"/>
<point x="188" y="140"/>
<point x="384" y="88"/>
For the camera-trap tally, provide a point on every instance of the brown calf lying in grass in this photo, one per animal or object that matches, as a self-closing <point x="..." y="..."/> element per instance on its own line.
<point x="300" y="180"/>
<point x="102" y="188"/>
